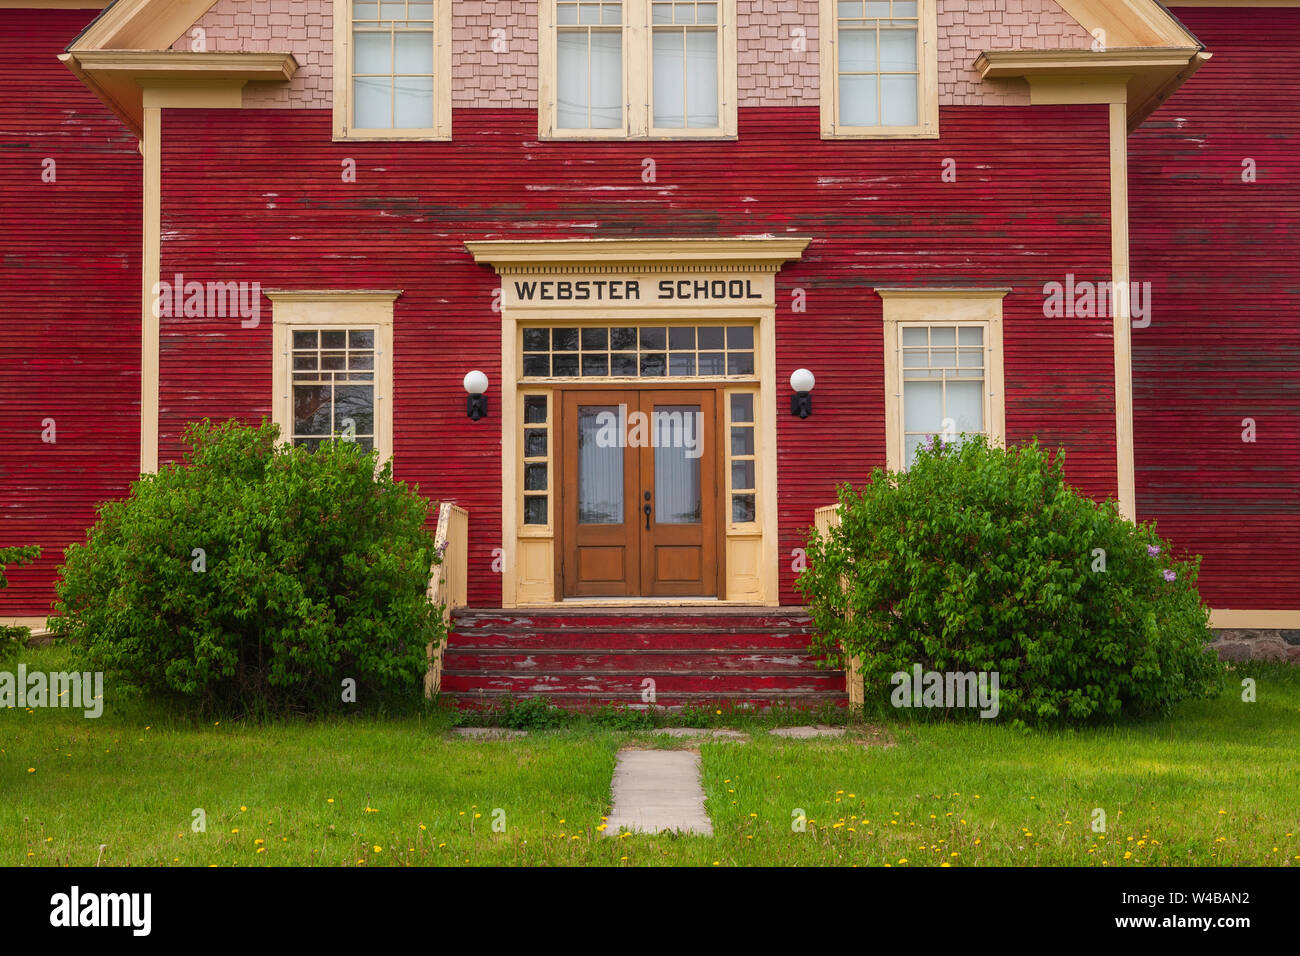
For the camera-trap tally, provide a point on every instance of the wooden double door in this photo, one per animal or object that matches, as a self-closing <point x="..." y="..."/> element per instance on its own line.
<point x="639" y="494"/>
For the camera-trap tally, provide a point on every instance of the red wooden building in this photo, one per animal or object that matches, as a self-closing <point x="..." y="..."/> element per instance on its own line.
<point x="1070" y="219"/>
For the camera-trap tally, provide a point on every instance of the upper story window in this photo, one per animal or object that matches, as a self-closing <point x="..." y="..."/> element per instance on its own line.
<point x="397" y="80"/>
<point x="879" y="73"/>
<point x="637" y="69"/>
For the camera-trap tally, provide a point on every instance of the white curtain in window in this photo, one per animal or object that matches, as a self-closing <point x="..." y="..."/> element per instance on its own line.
<point x="589" y="71"/>
<point x="685" y="79"/>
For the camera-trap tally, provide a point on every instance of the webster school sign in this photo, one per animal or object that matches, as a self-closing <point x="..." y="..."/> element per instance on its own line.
<point x="748" y="289"/>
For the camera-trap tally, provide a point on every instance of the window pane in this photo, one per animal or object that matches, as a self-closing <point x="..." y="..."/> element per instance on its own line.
<point x="857" y="51"/>
<point x="966" y="405"/>
<point x="606" y="79"/>
<point x="740" y="337"/>
<point x="742" y="474"/>
<point x="622" y="364"/>
<point x="858" y="101"/>
<point x="414" y="102"/>
<point x="534" y="442"/>
<point x="712" y="363"/>
<point x="311" y="409"/>
<point x="897" y="51"/>
<point x="596" y="340"/>
<point x="681" y="337"/>
<point x="654" y="363"/>
<point x="332" y="361"/>
<point x="361" y="339"/>
<point x="742" y="509"/>
<point x="372" y="52"/>
<point x="572" y="77"/>
<point x="899" y="96"/>
<point x="534" y="409"/>
<point x="600" y="465"/>
<point x="922" y="404"/>
<point x="742" y="440"/>
<point x="654" y="338"/>
<point x="536" y="365"/>
<point x="537" y="340"/>
<point x="669" y="79"/>
<point x="701" y="79"/>
<point x="414" y="52"/>
<point x="355" y="402"/>
<point x="595" y="364"/>
<point x="676" y="430"/>
<point x="742" y="407"/>
<point x="333" y="339"/>
<point x="535" y="509"/>
<point x="373" y="102"/>
<point x="622" y="340"/>
<point x="970" y="335"/>
<point x="304" y="340"/>
<point x="535" y="477"/>
<point x="681" y="363"/>
<point x="661" y="13"/>
<point x="564" y="340"/>
<point x="740" y="363"/>
<point x="564" y="364"/>
<point x="711" y="337"/>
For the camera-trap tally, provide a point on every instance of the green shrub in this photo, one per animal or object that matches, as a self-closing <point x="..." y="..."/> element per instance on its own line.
<point x="13" y="637"/>
<point x="983" y="559"/>
<point x="257" y="577"/>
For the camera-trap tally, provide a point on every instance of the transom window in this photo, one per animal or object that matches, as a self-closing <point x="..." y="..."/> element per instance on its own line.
<point x="333" y="386"/>
<point x="943" y="384"/>
<point x="629" y="351"/>
<point x="882" y="75"/>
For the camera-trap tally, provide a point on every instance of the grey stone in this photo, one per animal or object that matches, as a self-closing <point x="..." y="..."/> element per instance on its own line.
<point x="1293" y="655"/>
<point x="803" y="733"/>
<point x="1232" y="651"/>
<point x="657" y="790"/>
<point x="717" y="733"/>
<point x="489" y="733"/>
<point x="1269" y="649"/>
<point x="1291" y="637"/>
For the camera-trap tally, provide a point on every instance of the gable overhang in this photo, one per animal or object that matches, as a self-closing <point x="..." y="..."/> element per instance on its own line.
<point x="1120" y="24"/>
<point x="1141" y="78"/>
<point x="140" y="24"/>
<point x="129" y="80"/>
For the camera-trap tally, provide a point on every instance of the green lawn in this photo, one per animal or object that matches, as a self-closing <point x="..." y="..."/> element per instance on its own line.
<point x="1216" y="784"/>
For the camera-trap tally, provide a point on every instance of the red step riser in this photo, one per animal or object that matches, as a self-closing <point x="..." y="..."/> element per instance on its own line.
<point x="628" y="640"/>
<point x="664" y="701"/>
<point x="553" y="684"/>
<point x="455" y="660"/>
<point x="671" y="619"/>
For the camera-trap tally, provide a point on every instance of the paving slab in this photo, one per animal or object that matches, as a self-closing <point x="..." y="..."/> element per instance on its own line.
<point x="802" y="733"/>
<point x="717" y="733"/>
<point x="657" y="790"/>
<point x="489" y="733"/>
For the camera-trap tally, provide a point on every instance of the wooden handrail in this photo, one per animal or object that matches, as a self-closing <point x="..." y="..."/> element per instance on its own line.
<point x="447" y="586"/>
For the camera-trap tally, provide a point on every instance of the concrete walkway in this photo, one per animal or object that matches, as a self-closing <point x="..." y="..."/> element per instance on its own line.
<point x="657" y="790"/>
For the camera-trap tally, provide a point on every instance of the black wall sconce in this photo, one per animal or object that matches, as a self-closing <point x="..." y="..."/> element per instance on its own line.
<point x="802" y="382"/>
<point x="476" y="404"/>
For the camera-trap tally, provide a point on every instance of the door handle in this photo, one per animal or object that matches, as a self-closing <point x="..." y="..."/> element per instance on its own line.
<point x="646" y="509"/>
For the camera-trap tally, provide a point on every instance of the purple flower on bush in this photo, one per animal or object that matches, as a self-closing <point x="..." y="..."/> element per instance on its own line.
<point x="1153" y="551"/>
<point x="1171" y="576"/>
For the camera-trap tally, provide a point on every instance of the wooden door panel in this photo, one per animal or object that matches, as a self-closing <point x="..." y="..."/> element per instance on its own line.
<point x="601" y="546"/>
<point x="679" y="470"/>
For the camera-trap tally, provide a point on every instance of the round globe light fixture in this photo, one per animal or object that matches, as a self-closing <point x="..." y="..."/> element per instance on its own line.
<point x="476" y="405"/>
<point x="802" y="381"/>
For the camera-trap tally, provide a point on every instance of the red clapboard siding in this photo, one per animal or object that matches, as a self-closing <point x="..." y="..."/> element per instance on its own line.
<point x="69" y="301"/>
<point x="259" y="196"/>
<point x="1224" y="340"/>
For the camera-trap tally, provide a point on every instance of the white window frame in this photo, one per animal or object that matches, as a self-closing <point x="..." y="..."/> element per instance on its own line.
<point x="927" y="94"/>
<point x="343" y="103"/>
<point x="369" y="310"/>
<point x="919" y="308"/>
<point x="638" y="80"/>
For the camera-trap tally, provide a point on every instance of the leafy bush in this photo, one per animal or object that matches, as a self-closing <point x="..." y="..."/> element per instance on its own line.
<point x="983" y="559"/>
<point x="257" y="577"/>
<point x="13" y="638"/>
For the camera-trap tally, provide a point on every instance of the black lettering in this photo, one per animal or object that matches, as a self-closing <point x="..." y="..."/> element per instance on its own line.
<point x="563" y="290"/>
<point x="684" y="289"/>
<point x="718" y="289"/>
<point x="665" y="288"/>
<point x="600" y="288"/>
<point x="525" y="290"/>
<point x="633" y="289"/>
<point x="546" y="291"/>
<point x="701" y="289"/>
<point x="583" y="289"/>
<point x="749" y="290"/>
